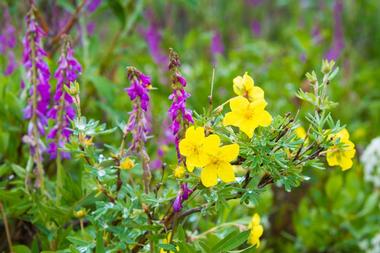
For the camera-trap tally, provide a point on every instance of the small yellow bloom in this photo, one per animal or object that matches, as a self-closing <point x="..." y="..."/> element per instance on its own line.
<point x="256" y="231"/>
<point x="218" y="162"/>
<point x="80" y="213"/>
<point x="166" y="241"/>
<point x="127" y="164"/>
<point x="341" y="155"/>
<point x="247" y="115"/>
<point x="300" y="132"/>
<point x="179" y="172"/>
<point x="245" y="87"/>
<point x="192" y="147"/>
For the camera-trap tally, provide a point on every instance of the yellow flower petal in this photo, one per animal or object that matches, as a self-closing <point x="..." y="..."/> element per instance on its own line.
<point x="238" y="85"/>
<point x="258" y="105"/>
<point x="248" y="127"/>
<point x="343" y="134"/>
<point x="239" y="103"/>
<point x="209" y="176"/>
<point x="226" y="172"/>
<point x="229" y="152"/>
<point x="185" y="148"/>
<point x="346" y="163"/>
<point x="193" y="133"/>
<point x="231" y="118"/>
<point x="255" y="220"/>
<point x="256" y="93"/>
<point x="264" y="118"/>
<point x="331" y="158"/>
<point x="212" y="143"/>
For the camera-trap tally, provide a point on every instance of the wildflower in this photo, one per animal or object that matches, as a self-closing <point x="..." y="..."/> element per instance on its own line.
<point x="38" y="73"/>
<point x="256" y="230"/>
<point x="218" y="162"/>
<point x="139" y="123"/>
<point x="178" y="112"/>
<point x="8" y="42"/>
<point x="247" y="115"/>
<point x="182" y="195"/>
<point x="179" y="172"/>
<point x="63" y="111"/>
<point x="341" y="153"/>
<point x="300" y="132"/>
<point x="245" y="87"/>
<point x="127" y="164"/>
<point x="192" y="146"/>
<point x="93" y="5"/>
<point x="80" y="213"/>
<point x="371" y="161"/>
<point x="216" y="47"/>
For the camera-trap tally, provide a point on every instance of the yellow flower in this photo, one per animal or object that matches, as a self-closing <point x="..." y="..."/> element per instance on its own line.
<point x="179" y="172"/>
<point x="193" y="147"/>
<point x="166" y="241"/>
<point x="300" y="132"/>
<point x="218" y="162"/>
<point x="127" y="164"/>
<point x="80" y="213"/>
<point x="245" y="86"/>
<point x="256" y="230"/>
<point x="341" y="154"/>
<point x="247" y="115"/>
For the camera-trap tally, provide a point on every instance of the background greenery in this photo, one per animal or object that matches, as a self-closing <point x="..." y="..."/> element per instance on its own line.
<point x="334" y="212"/>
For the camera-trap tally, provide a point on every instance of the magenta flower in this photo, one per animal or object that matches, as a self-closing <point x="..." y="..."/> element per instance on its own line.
<point x="139" y="122"/>
<point x="8" y="42"/>
<point x="178" y="112"/>
<point x="338" y="36"/>
<point x="62" y="111"/>
<point x="182" y="195"/>
<point x="217" y="46"/>
<point x="93" y="5"/>
<point x="38" y="75"/>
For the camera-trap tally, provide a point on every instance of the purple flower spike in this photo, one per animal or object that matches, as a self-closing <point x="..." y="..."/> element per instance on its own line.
<point x="139" y="121"/>
<point x="216" y="47"/>
<point x="178" y="112"/>
<point x="38" y="75"/>
<point x="182" y="195"/>
<point x="8" y="42"/>
<point x="338" y="36"/>
<point x="62" y="111"/>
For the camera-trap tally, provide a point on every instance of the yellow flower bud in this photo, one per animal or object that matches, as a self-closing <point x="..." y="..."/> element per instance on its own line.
<point x="80" y="214"/>
<point x="179" y="172"/>
<point x="127" y="164"/>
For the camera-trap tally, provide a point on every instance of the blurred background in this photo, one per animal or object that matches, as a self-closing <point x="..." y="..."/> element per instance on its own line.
<point x="275" y="41"/>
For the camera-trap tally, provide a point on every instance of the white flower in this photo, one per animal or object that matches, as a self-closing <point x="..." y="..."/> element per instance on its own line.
<point x="371" y="161"/>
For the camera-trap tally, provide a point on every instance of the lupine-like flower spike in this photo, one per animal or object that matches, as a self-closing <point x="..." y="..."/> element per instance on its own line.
<point x="38" y="75"/>
<point x="182" y="195"/>
<point x="178" y="112"/>
<point x="139" y="124"/>
<point x="62" y="111"/>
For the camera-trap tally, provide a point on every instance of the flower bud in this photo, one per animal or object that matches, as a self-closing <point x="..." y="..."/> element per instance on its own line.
<point x="179" y="172"/>
<point x="127" y="164"/>
<point x="327" y="66"/>
<point x="80" y="213"/>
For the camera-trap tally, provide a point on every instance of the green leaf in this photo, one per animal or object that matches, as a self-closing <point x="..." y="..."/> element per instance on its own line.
<point x="20" y="249"/>
<point x="99" y="243"/>
<point x="231" y="241"/>
<point x="118" y="9"/>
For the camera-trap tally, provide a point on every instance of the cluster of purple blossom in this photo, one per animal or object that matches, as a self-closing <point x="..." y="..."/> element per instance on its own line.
<point x="182" y="195"/>
<point x="62" y="111"/>
<point x="8" y="42"/>
<point x="38" y="108"/>
<point x="139" y="122"/>
<point x="178" y="112"/>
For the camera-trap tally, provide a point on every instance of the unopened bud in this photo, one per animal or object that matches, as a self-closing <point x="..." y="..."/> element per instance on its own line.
<point x="327" y="66"/>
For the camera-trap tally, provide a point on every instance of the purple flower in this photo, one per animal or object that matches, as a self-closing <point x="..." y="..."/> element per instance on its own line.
<point x="182" y="195"/>
<point x="178" y="112"/>
<point x="93" y="5"/>
<point x="62" y="111"/>
<point x="38" y="75"/>
<point x="338" y="37"/>
<point x="216" y="46"/>
<point x="8" y="42"/>
<point x="139" y="121"/>
<point x="256" y="27"/>
<point x="153" y="39"/>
